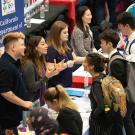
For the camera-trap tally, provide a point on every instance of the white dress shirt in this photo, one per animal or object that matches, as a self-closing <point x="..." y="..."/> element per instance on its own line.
<point x="131" y="56"/>
<point x="112" y="52"/>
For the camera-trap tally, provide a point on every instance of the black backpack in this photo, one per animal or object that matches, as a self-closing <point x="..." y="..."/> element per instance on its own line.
<point x="130" y="70"/>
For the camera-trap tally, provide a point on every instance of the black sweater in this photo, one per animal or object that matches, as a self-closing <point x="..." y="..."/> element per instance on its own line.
<point x="96" y="96"/>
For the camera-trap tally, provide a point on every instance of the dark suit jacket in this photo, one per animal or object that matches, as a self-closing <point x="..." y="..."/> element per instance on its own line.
<point x="118" y="70"/>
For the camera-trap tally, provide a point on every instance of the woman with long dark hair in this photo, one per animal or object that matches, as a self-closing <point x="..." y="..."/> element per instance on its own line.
<point x="82" y="38"/>
<point x="35" y="71"/>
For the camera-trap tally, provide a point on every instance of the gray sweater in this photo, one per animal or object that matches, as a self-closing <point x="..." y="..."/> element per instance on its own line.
<point x="30" y="75"/>
<point x="80" y="45"/>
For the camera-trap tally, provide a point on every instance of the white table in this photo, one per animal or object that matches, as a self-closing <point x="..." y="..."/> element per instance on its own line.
<point x="84" y="108"/>
<point x="78" y="77"/>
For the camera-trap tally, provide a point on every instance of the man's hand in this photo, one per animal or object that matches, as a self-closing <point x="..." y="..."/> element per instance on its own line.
<point x="11" y="97"/>
<point x="28" y="105"/>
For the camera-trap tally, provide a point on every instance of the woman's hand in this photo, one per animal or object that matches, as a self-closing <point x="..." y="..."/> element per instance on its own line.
<point x="60" y="66"/>
<point x="53" y="69"/>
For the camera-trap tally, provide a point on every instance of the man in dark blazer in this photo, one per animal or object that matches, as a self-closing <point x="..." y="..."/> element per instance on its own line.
<point x="117" y="68"/>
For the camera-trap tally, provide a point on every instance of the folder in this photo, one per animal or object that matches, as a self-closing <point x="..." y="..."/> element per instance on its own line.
<point x="74" y="92"/>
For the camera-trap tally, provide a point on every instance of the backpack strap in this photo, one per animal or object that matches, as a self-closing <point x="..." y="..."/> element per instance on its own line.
<point x="114" y="58"/>
<point x="99" y="81"/>
<point x="129" y="50"/>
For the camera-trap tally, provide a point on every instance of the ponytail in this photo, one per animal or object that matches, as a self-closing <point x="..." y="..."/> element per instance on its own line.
<point x="58" y="92"/>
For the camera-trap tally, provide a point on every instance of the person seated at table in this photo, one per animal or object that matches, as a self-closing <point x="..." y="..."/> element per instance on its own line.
<point x="94" y="65"/>
<point x="68" y="118"/>
<point x="59" y="50"/>
<point x="41" y="123"/>
<point x="82" y="38"/>
<point x="35" y="71"/>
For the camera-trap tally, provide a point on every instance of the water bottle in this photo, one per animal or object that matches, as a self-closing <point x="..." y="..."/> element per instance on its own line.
<point x="25" y="116"/>
<point x="37" y="9"/>
<point x="46" y="3"/>
<point x="28" y="19"/>
<point x="32" y="12"/>
<point x="86" y="84"/>
<point x="25" y="4"/>
<point x="42" y="11"/>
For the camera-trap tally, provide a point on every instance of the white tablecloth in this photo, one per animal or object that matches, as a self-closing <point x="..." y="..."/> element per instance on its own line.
<point x="83" y="104"/>
<point x="85" y="110"/>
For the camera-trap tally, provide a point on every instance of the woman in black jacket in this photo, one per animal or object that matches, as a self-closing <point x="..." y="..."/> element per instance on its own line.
<point x="94" y="65"/>
<point x="103" y="120"/>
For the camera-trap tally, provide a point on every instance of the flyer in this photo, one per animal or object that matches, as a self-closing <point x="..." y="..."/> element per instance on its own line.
<point x="8" y="7"/>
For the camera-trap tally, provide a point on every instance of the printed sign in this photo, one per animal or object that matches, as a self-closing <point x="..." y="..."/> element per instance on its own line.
<point x="11" y="17"/>
<point x="8" y="7"/>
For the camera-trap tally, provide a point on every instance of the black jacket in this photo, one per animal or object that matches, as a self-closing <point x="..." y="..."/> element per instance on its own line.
<point x="70" y="122"/>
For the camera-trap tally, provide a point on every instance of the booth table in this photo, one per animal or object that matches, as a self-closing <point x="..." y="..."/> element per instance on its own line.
<point x="78" y="77"/>
<point x="84" y="108"/>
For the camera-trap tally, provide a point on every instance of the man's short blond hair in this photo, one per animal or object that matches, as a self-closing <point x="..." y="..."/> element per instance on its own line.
<point x="12" y="36"/>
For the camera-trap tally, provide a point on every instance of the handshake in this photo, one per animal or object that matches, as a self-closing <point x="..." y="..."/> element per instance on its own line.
<point x="53" y="69"/>
<point x="70" y="63"/>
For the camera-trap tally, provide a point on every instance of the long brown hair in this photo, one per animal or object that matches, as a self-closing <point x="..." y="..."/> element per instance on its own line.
<point x="59" y="93"/>
<point x="32" y="54"/>
<point x="54" y="37"/>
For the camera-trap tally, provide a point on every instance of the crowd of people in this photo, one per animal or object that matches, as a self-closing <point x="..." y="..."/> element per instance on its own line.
<point x="34" y="68"/>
